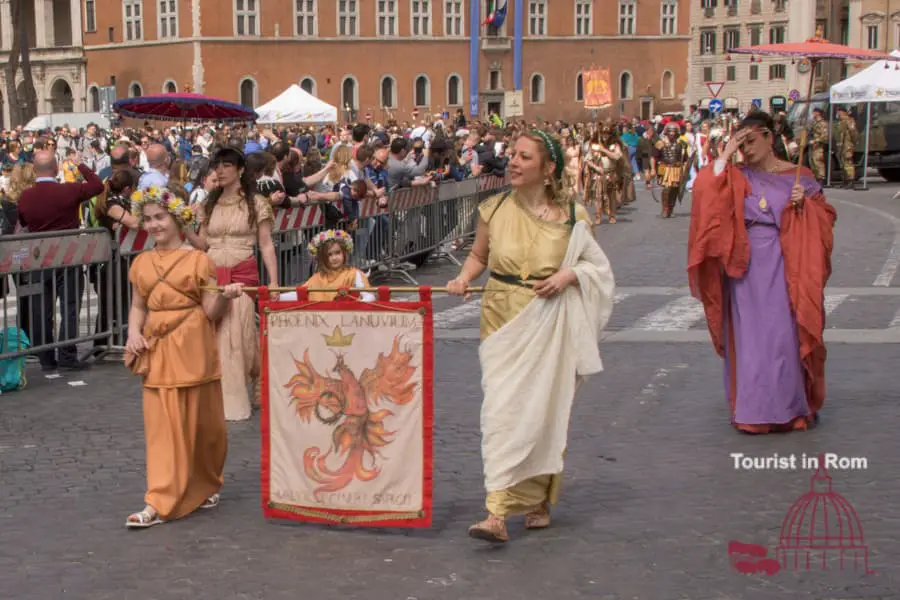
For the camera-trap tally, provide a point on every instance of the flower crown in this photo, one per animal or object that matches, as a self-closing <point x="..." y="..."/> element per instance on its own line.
<point x="177" y="207"/>
<point x="338" y="235"/>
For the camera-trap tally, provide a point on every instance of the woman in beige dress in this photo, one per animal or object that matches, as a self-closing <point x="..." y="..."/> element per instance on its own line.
<point x="235" y="221"/>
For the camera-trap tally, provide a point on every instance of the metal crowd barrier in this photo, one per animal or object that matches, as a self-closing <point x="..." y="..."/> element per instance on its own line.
<point x="86" y="272"/>
<point x="57" y="287"/>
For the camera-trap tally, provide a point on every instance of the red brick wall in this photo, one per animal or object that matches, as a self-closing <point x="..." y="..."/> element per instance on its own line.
<point x="276" y="62"/>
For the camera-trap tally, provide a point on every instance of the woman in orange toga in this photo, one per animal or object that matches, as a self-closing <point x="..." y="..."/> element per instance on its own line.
<point x="759" y="256"/>
<point x="172" y="333"/>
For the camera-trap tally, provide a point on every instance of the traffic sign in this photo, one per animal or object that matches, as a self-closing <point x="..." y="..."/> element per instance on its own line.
<point x="757" y="102"/>
<point x="794" y="95"/>
<point x="715" y="87"/>
<point x="715" y="106"/>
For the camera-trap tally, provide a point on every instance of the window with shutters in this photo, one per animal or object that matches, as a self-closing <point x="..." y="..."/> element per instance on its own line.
<point x="584" y="17"/>
<point x="732" y="39"/>
<point x="627" y="15"/>
<point x="668" y="17"/>
<point x="386" y="17"/>
<point x="707" y="42"/>
<point x="454" y="20"/>
<point x="537" y="17"/>
<point x="134" y="20"/>
<point x="348" y="17"/>
<point x="168" y="19"/>
<point x="246" y="17"/>
<point x="421" y="17"/>
<point x="776" y="34"/>
<point x="305" y="17"/>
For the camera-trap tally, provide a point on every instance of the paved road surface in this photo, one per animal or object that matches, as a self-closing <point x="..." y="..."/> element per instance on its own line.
<point x="651" y="498"/>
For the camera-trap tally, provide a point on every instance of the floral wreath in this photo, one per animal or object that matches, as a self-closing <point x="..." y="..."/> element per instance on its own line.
<point x="177" y="207"/>
<point x="337" y="235"/>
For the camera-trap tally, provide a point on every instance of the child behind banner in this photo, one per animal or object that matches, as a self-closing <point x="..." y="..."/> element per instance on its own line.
<point x="332" y="250"/>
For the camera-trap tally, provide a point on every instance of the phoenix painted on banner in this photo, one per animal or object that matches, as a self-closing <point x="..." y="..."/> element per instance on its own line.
<point x="350" y="404"/>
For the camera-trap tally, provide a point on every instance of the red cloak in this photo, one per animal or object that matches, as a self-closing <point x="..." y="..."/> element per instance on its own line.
<point x="718" y="245"/>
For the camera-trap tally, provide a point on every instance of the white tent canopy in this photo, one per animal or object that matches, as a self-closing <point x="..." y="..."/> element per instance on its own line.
<point x="879" y="82"/>
<point x="296" y="105"/>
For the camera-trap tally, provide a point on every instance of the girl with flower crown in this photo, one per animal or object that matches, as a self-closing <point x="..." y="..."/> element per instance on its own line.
<point x="172" y="345"/>
<point x="332" y="250"/>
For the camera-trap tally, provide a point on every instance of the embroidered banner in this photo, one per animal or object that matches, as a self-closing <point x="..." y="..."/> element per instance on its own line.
<point x="347" y="411"/>
<point x="597" y="92"/>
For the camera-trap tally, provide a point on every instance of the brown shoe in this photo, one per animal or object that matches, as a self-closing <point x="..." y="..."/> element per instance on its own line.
<point x="492" y="529"/>
<point x="538" y="518"/>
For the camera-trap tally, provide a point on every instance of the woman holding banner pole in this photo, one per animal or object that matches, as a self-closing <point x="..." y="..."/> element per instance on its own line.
<point x="549" y="295"/>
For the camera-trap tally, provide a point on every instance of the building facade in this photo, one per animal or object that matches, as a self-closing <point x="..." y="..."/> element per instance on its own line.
<point x="54" y="30"/>
<point x="770" y="82"/>
<point x="395" y="58"/>
<point x="874" y="24"/>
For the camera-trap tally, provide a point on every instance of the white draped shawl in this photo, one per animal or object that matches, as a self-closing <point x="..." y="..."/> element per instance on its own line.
<point x="530" y="366"/>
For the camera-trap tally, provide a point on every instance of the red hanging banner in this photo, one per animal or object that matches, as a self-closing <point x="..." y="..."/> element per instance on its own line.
<point x="347" y="410"/>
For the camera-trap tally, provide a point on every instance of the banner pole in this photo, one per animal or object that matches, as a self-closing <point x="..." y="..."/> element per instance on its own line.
<point x="404" y="290"/>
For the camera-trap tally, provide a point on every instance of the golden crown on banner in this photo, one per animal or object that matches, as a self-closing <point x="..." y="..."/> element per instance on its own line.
<point x="337" y="339"/>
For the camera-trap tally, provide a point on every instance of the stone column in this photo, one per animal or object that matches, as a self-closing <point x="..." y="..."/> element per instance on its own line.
<point x="801" y="27"/>
<point x="197" y="71"/>
<point x="854" y="27"/>
<point x="6" y="30"/>
<point x="75" y="17"/>
<point x="43" y="23"/>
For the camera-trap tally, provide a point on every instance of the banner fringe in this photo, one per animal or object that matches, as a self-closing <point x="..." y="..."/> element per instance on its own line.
<point x="349" y="519"/>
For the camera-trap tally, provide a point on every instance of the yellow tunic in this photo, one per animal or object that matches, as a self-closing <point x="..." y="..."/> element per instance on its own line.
<point x="344" y="278"/>
<point x="523" y="246"/>
<point x="520" y="245"/>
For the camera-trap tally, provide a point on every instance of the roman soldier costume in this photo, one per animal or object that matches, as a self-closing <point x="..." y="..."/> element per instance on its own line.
<point x="671" y="157"/>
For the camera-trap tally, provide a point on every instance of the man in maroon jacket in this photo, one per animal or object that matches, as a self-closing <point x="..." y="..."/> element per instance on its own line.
<point x="52" y="206"/>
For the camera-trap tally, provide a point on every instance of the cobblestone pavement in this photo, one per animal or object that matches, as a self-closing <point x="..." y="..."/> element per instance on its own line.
<point x="650" y="503"/>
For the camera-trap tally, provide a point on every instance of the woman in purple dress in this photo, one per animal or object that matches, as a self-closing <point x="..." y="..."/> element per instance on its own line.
<point x="759" y="256"/>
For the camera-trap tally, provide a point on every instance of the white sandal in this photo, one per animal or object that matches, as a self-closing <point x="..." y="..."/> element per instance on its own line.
<point x="211" y="502"/>
<point x="143" y="519"/>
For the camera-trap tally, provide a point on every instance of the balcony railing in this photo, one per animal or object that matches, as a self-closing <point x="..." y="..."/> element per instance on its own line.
<point x="709" y="12"/>
<point x="496" y="43"/>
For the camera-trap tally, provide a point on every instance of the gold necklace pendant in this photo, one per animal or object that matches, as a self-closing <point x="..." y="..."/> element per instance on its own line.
<point x="763" y="204"/>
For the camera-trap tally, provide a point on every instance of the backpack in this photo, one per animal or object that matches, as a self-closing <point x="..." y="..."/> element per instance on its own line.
<point x="88" y="215"/>
<point x="12" y="370"/>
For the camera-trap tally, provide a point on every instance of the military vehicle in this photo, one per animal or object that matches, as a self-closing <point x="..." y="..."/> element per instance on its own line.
<point x="884" y="134"/>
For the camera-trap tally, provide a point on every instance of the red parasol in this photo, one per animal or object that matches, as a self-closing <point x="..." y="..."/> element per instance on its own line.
<point x="183" y="107"/>
<point x="815" y="50"/>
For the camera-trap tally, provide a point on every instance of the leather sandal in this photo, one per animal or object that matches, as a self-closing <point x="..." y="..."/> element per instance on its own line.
<point x="211" y="502"/>
<point x="538" y="518"/>
<point x="143" y="519"/>
<point x="492" y="529"/>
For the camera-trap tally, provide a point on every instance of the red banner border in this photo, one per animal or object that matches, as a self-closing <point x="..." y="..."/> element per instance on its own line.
<point x="344" y="303"/>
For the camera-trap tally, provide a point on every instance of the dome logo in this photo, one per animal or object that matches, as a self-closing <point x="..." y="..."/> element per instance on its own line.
<point x="820" y="531"/>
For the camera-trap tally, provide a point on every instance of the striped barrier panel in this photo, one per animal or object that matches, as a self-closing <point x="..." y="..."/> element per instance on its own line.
<point x="51" y="250"/>
<point x="301" y="217"/>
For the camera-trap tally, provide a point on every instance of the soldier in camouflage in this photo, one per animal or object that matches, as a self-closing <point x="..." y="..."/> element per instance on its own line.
<point x="818" y="144"/>
<point x="846" y="136"/>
